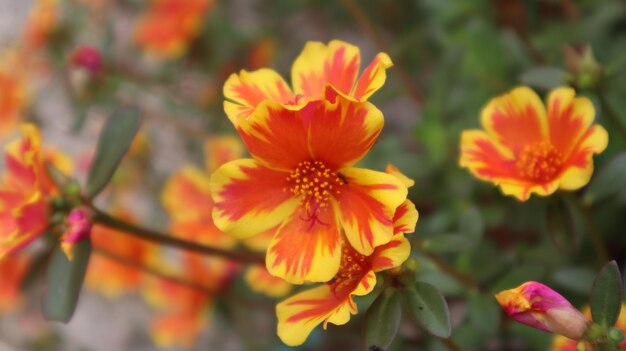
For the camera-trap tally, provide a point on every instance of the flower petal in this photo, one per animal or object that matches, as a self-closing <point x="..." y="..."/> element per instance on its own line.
<point x="276" y="136"/>
<point x="12" y="271"/>
<point x="249" y="89"/>
<point x="392" y="254"/>
<point x="301" y="313"/>
<point x="516" y="119"/>
<point x="568" y="117"/>
<point x="580" y="164"/>
<point x="393" y="170"/>
<point x="304" y="249"/>
<point x="367" y="204"/>
<point x="221" y="149"/>
<point x="318" y="65"/>
<point x="405" y="218"/>
<point x="342" y="131"/>
<point x="249" y="198"/>
<point x="373" y="77"/>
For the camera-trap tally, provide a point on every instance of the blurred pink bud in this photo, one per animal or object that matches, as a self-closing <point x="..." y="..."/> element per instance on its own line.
<point x="538" y="306"/>
<point x="78" y="228"/>
<point x="87" y="57"/>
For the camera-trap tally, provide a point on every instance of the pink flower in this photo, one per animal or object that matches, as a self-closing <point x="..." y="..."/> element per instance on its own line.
<point x="538" y="306"/>
<point x="78" y="228"/>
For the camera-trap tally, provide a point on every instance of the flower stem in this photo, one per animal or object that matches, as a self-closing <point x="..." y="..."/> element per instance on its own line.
<point x="450" y="344"/>
<point x="109" y="221"/>
<point x="446" y="268"/>
<point x="594" y="234"/>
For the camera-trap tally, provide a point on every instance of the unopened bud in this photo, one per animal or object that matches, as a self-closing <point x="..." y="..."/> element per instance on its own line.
<point x="87" y="57"/>
<point x="538" y="306"/>
<point x="79" y="223"/>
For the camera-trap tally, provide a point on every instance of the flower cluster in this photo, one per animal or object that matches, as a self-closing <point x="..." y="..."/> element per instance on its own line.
<point x="328" y="221"/>
<point x="25" y="191"/>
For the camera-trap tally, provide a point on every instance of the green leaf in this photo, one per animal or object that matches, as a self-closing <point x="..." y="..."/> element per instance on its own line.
<point x="429" y="308"/>
<point x="115" y="139"/>
<point x="544" y="77"/>
<point x="484" y="313"/>
<point x="608" y="181"/>
<point x="606" y="295"/>
<point x="64" y="280"/>
<point x="382" y="320"/>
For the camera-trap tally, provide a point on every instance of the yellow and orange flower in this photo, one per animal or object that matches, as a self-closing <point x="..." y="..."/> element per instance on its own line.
<point x="12" y="270"/>
<point x="525" y="149"/>
<point x="333" y="302"/>
<point x="168" y="26"/>
<point x="110" y="277"/>
<point x="14" y="91"/>
<point x="25" y="188"/>
<point x="562" y="343"/>
<point x="318" y="66"/>
<point x="301" y="184"/>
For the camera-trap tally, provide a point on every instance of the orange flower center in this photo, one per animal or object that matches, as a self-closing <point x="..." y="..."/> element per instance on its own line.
<point x="351" y="270"/>
<point x="316" y="184"/>
<point x="539" y="161"/>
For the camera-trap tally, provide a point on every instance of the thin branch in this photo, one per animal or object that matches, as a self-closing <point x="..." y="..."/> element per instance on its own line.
<point x="450" y="344"/>
<point x="594" y="234"/>
<point x="109" y="221"/>
<point x="464" y="279"/>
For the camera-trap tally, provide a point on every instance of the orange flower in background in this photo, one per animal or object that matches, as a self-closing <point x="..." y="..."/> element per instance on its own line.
<point x="183" y="309"/>
<point x="333" y="302"/>
<point x="301" y="183"/>
<point x="525" y="149"/>
<point x="41" y="23"/>
<point x="14" y="90"/>
<point x="187" y="196"/>
<point x="259" y="278"/>
<point x="25" y="188"/>
<point x="261" y="53"/>
<point x="168" y="26"/>
<point x="182" y="312"/>
<point x="110" y="277"/>
<point x="561" y="343"/>
<point x="318" y="66"/>
<point x="12" y="271"/>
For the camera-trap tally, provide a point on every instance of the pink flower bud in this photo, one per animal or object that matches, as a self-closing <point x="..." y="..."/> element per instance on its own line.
<point x="538" y="306"/>
<point x="88" y="58"/>
<point x="78" y="228"/>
